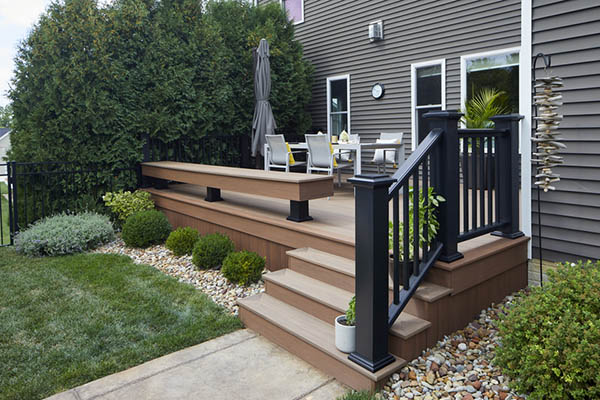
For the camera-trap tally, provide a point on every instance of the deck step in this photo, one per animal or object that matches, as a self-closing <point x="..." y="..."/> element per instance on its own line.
<point x="339" y="271"/>
<point x="309" y="338"/>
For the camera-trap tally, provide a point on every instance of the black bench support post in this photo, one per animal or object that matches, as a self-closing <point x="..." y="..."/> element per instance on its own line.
<point x="299" y="211"/>
<point x="213" y="194"/>
<point x="372" y="218"/>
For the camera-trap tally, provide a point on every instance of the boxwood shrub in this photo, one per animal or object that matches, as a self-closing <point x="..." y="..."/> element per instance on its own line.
<point x="123" y="204"/>
<point x="551" y="338"/>
<point x="145" y="229"/>
<point x="65" y="234"/>
<point x="182" y="240"/>
<point x="211" y="250"/>
<point x="243" y="267"/>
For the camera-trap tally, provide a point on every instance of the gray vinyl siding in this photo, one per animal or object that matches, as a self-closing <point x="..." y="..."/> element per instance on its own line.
<point x="335" y="39"/>
<point x="570" y="32"/>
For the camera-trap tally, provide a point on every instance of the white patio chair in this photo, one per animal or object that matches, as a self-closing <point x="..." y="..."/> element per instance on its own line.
<point x="322" y="158"/>
<point x="279" y="155"/>
<point x="394" y="155"/>
<point x="344" y="155"/>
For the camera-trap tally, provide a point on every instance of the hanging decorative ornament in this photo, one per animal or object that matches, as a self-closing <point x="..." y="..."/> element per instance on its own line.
<point x="548" y="143"/>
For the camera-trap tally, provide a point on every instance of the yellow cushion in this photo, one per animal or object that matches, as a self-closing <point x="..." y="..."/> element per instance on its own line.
<point x="292" y="161"/>
<point x="334" y="160"/>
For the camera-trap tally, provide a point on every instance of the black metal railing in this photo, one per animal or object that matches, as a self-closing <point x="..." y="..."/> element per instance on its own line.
<point x="40" y="189"/>
<point x="445" y="158"/>
<point x="5" y="206"/>
<point x="227" y="150"/>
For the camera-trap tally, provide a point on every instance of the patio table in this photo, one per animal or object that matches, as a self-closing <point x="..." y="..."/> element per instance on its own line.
<point x="356" y="148"/>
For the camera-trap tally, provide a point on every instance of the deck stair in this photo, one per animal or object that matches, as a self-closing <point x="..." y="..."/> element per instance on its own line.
<point x="299" y="306"/>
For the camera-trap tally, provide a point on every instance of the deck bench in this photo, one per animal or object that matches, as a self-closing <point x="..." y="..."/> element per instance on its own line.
<point x="297" y="188"/>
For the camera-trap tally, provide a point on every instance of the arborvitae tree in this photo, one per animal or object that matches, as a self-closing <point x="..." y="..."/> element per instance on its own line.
<point x="91" y="80"/>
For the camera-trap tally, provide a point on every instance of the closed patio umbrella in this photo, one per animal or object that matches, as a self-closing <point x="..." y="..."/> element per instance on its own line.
<point x="263" y="123"/>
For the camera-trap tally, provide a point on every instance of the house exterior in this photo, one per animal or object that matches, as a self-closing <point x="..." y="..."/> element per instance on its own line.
<point x="435" y="54"/>
<point x="4" y="146"/>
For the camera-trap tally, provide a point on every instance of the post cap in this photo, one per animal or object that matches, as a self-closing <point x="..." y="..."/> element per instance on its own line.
<point x="372" y="180"/>
<point x="446" y="114"/>
<point x="507" y="117"/>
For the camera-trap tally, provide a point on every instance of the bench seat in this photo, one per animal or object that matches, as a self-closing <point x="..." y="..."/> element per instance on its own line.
<point x="297" y="188"/>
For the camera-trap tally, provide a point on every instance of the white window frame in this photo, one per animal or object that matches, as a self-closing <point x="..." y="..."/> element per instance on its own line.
<point x="329" y="80"/>
<point x="463" y="69"/>
<point x="302" y="7"/>
<point x="413" y="96"/>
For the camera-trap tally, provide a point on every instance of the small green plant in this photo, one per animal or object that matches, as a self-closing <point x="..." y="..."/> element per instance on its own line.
<point x="182" y="240"/>
<point x="211" y="250"/>
<point x="124" y="204"/>
<point x="433" y="225"/>
<point x="487" y="103"/>
<point x="362" y="395"/>
<point x="65" y="234"/>
<point x="351" y="312"/>
<point x="145" y="229"/>
<point x="243" y="267"/>
<point x="550" y="338"/>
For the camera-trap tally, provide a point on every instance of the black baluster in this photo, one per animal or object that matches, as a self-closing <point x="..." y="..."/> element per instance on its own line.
<point x="465" y="165"/>
<point x="396" y="245"/>
<point x="406" y="272"/>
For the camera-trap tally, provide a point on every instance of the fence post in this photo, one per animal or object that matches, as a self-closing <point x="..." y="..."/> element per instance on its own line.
<point x="244" y="151"/>
<point x="13" y="199"/>
<point x="446" y="182"/>
<point x="372" y="218"/>
<point x="508" y="175"/>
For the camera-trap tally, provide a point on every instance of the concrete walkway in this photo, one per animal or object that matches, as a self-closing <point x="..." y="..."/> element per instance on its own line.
<point x="240" y="365"/>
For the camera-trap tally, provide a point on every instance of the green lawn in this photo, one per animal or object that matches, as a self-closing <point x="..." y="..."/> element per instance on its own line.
<point x="66" y="321"/>
<point x="4" y="230"/>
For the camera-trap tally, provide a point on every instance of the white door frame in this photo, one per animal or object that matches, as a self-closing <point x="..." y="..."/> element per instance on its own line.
<point x="413" y="94"/>
<point x="329" y="80"/>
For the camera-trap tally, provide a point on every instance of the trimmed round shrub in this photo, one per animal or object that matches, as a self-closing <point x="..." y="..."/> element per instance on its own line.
<point x="182" y="240"/>
<point x="145" y="229"/>
<point x="65" y="234"/>
<point x="243" y="267"/>
<point x="550" y="339"/>
<point x="211" y="250"/>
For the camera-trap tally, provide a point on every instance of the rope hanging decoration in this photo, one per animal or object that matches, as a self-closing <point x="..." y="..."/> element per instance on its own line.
<point x="547" y="99"/>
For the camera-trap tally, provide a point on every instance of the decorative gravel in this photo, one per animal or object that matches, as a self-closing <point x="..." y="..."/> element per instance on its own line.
<point x="210" y="281"/>
<point x="459" y="367"/>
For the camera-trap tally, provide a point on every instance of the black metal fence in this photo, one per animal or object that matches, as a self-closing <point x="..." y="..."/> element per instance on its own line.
<point x="5" y="206"/>
<point x="228" y="150"/>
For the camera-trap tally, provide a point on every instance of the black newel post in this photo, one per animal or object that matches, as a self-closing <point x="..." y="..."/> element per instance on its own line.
<point x="508" y="176"/>
<point x="372" y="216"/>
<point x="446" y="182"/>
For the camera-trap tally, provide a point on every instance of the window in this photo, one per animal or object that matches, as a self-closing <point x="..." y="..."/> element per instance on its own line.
<point x="428" y="86"/>
<point x="338" y="104"/>
<point x="294" y="10"/>
<point x="497" y="69"/>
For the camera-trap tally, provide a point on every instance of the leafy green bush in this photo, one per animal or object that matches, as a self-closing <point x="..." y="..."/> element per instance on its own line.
<point x="211" y="250"/>
<point x="551" y="337"/>
<point x="124" y="204"/>
<point x="351" y="312"/>
<point x="65" y="234"/>
<point x="362" y="395"/>
<point x="182" y="240"/>
<point x="145" y="229"/>
<point x="243" y="267"/>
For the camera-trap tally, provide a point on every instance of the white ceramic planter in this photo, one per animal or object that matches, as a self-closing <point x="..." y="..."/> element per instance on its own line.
<point x="345" y="336"/>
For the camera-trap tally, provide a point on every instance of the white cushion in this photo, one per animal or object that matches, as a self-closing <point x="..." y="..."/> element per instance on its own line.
<point x="390" y="155"/>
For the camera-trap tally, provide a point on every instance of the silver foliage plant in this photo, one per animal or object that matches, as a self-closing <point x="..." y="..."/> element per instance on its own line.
<point x="65" y="234"/>
<point x="547" y="99"/>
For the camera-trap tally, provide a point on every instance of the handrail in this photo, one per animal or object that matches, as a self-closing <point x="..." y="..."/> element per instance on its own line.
<point x="414" y="160"/>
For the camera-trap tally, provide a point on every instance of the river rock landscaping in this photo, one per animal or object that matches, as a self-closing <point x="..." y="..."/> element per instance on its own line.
<point x="459" y="367"/>
<point x="210" y="281"/>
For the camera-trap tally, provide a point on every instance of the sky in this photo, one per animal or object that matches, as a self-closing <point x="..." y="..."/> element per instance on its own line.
<point x="16" y="19"/>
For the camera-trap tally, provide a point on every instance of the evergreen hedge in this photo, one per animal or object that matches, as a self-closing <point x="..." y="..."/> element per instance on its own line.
<point x="90" y="80"/>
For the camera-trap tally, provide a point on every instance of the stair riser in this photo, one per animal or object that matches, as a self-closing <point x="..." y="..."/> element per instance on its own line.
<point x="315" y="271"/>
<point x="308" y="353"/>
<point x="404" y="348"/>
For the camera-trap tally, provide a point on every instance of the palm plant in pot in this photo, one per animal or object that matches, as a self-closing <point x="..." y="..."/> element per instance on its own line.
<point x="427" y="217"/>
<point x="345" y="329"/>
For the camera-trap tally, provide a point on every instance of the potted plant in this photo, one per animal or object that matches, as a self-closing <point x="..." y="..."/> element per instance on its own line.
<point x="485" y="104"/>
<point x="432" y="223"/>
<point x="345" y="329"/>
